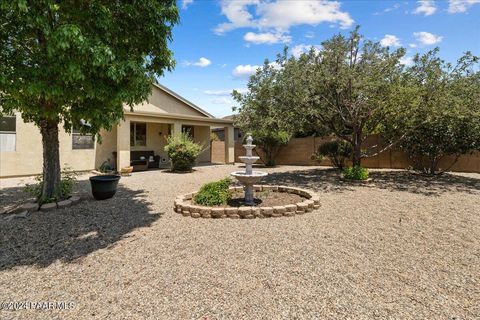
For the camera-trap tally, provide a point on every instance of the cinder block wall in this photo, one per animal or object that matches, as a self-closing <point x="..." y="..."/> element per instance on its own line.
<point x="299" y="152"/>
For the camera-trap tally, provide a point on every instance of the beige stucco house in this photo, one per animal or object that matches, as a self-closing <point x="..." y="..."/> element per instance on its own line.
<point x="144" y="129"/>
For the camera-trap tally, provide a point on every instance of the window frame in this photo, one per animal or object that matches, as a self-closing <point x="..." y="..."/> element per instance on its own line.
<point x="188" y="129"/>
<point x="77" y="133"/>
<point x="11" y="132"/>
<point x="133" y="133"/>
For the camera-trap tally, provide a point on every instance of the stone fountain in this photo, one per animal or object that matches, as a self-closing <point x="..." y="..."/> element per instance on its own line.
<point x="249" y="177"/>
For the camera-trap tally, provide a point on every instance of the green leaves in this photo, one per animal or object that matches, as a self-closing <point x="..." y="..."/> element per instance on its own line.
<point x="182" y="151"/>
<point x="82" y="60"/>
<point x="443" y="117"/>
<point x="214" y="193"/>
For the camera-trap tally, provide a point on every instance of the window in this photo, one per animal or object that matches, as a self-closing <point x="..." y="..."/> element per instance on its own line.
<point x="8" y="134"/>
<point x="82" y="140"/>
<point x="138" y="134"/>
<point x="188" y="130"/>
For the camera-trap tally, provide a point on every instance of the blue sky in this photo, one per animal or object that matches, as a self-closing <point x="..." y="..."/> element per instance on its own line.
<point x="218" y="44"/>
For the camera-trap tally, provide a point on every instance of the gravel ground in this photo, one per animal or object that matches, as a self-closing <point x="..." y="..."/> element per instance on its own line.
<point x="403" y="247"/>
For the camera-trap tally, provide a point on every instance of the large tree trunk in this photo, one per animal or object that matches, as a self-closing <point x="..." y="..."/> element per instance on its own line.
<point x="51" y="161"/>
<point x="357" y="148"/>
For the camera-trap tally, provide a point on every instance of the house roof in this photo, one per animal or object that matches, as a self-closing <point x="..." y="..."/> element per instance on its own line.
<point x="179" y="97"/>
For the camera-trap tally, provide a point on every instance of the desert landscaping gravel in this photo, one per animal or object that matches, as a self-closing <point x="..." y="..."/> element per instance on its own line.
<point x="404" y="246"/>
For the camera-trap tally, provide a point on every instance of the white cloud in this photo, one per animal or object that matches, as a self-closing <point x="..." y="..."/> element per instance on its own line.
<point x="427" y="38"/>
<point x="186" y="3"/>
<point x="202" y="63"/>
<point x="221" y="100"/>
<point x="386" y="10"/>
<point x="406" y="61"/>
<point x="412" y="45"/>
<point x="309" y="35"/>
<point x="244" y="71"/>
<point x="302" y="48"/>
<point x="456" y="6"/>
<point x="267" y="38"/>
<point x="227" y="92"/>
<point x="389" y="40"/>
<point x="280" y="15"/>
<point x="426" y="7"/>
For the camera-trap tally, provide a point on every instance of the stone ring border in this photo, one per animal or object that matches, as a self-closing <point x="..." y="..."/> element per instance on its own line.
<point x="22" y="210"/>
<point x="311" y="202"/>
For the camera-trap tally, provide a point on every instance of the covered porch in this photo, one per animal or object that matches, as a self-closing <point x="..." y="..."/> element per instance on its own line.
<point x="144" y="135"/>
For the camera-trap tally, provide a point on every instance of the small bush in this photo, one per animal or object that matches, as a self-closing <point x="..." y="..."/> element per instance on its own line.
<point x="67" y="183"/>
<point x="214" y="193"/>
<point x="338" y="152"/>
<point x="105" y="167"/>
<point x="182" y="151"/>
<point x="355" y="173"/>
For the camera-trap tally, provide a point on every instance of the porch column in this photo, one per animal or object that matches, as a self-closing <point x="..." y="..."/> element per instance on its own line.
<point x="176" y="128"/>
<point x="123" y="144"/>
<point x="229" y="145"/>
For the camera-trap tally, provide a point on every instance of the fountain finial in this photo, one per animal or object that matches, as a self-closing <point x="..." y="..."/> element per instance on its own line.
<point x="249" y="139"/>
<point x="249" y="177"/>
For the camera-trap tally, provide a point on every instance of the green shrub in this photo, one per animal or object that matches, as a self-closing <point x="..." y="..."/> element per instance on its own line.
<point x="338" y="152"/>
<point x="67" y="183"/>
<point x="182" y="151"/>
<point x="105" y="167"/>
<point x="214" y="193"/>
<point x="355" y="173"/>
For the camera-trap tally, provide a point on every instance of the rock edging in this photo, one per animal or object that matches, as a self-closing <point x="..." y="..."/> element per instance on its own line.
<point x="311" y="202"/>
<point x="22" y="210"/>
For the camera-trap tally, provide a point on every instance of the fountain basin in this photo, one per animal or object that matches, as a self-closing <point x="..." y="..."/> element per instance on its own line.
<point x="248" y="159"/>
<point x="249" y="179"/>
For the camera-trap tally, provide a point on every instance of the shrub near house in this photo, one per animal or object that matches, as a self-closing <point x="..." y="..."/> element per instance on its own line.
<point x="182" y="151"/>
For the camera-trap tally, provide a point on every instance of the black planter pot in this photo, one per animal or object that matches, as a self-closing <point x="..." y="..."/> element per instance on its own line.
<point x="104" y="187"/>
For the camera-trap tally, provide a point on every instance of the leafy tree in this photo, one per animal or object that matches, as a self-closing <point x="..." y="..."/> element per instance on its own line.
<point x="258" y="111"/>
<point x="444" y="118"/>
<point x="337" y="151"/>
<point x="348" y="86"/>
<point x="62" y="62"/>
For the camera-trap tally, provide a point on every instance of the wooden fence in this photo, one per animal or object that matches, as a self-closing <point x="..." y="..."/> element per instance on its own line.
<point x="299" y="152"/>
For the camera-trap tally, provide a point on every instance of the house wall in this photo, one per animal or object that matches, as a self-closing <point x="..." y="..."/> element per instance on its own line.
<point x="299" y="151"/>
<point x="155" y="140"/>
<point x="106" y="148"/>
<point x="161" y="102"/>
<point x="27" y="159"/>
<point x="202" y="136"/>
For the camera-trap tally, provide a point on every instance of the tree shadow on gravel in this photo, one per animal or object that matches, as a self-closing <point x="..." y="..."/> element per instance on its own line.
<point x="424" y="184"/>
<point x="328" y="180"/>
<point x="13" y="196"/>
<point x="43" y="238"/>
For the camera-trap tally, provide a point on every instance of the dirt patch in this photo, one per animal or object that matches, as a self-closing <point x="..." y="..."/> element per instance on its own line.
<point x="266" y="199"/>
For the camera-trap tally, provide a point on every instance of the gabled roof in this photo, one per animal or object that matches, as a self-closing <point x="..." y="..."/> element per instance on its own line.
<point x="179" y="97"/>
